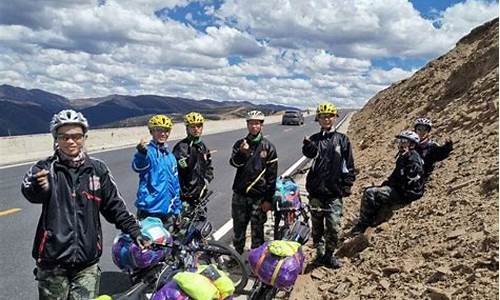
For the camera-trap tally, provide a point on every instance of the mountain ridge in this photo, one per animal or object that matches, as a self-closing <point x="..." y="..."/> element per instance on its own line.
<point x="38" y="106"/>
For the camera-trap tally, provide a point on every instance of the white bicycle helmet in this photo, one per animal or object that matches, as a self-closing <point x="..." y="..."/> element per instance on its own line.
<point x="255" y="115"/>
<point x="65" y="117"/>
<point x="409" y="135"/>
<point x="424" y="122"/>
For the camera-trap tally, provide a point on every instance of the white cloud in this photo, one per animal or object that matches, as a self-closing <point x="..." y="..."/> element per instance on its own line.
<point x="459" y="19"/>
<point x="291" y="52"/>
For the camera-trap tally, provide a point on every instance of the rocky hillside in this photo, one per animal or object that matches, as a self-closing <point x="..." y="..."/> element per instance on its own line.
<point x="445" y="245"/>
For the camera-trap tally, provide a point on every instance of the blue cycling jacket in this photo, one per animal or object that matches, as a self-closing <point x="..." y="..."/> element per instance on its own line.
<point x="159" y="190"/>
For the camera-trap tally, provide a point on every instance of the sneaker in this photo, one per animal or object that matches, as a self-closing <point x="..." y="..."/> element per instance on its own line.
<point x="332" y="262"/>
<point x="320" y="254"/>
<point x="358" y="229"/>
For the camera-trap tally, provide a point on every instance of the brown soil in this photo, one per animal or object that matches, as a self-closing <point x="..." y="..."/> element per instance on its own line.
<point x="445" y="245"/>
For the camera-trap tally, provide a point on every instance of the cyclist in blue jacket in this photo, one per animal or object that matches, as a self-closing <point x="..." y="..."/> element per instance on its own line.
<point x="158" y="194"/>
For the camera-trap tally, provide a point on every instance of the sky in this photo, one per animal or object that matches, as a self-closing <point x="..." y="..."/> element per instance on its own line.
<point x="296" y="53"/>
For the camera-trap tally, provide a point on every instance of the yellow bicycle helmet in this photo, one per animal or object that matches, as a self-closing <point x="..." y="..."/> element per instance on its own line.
<point x="193" y="118"/>
<point x="161" y="121"/>
<point x="326" y="108"/>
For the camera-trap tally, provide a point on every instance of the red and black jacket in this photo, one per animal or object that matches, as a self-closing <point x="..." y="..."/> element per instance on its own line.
<point x="69" y="229"/>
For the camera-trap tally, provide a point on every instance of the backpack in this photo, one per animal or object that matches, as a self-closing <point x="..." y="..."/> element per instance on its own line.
<point x="128" y="256"/>
<point x="277" y="263"/>
<point x="287" y="194"/>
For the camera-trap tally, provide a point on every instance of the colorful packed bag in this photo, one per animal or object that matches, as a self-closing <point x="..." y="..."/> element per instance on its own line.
<point x="287" y="194"/>
<point x="277" y="263"/>
<point x="170" y="291"/>
<point x="206" y="284"/>
<point x="129" y="257"/>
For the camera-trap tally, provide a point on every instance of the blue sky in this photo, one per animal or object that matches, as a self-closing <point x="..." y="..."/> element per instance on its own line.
<point x="290" y="52"/>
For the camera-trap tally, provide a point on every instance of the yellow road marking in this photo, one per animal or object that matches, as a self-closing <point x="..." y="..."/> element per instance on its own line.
<point x="9" y="211"/>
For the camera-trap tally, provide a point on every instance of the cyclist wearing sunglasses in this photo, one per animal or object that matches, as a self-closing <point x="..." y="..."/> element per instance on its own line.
<point x="404" y="185"/>
<point x="73" y="189"/>
<point x="430" y="151"/>
<point x="158" y="194"/>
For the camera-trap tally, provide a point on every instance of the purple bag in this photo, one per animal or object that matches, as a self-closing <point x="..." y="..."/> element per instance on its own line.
<point x="129" y="257"/>
<point x="264" y="265"/>
<point x="171" y="291"/>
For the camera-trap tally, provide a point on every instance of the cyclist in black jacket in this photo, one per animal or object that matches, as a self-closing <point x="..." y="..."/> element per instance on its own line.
<point x="193" y="160"/>
<point x="256" y="163"/>
<point x="404" y="185"/>
<point x="329" y="180"/>
<point x="73" y="189"/>
<point x="430" y="151"/>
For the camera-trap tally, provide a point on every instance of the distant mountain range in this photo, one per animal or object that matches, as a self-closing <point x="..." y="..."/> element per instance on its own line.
<point x="25" y="111"/>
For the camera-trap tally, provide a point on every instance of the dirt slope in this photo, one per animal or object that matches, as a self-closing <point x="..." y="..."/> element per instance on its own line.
<point x="445" y="245"/>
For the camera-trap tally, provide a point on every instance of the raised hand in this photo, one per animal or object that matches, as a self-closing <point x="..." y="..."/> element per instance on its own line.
<point x="42" y="178"/>
<point x="141" y="147"/>
<point x="244" y="146"/>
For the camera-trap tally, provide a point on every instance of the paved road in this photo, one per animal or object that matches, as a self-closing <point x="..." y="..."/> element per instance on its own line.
<point x="18" y="228"/>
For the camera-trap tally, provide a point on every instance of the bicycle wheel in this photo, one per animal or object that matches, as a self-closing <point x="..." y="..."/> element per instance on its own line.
<point x="269" y="293"/>
<point x="261" y="291"/>
<point x="226" y="259"/>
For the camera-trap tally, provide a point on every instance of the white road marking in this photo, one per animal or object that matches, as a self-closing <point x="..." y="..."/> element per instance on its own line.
<point x="293" y="167"/>
<point x="223" y="230"/>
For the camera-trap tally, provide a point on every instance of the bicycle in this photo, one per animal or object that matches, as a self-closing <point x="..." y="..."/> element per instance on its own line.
<point x="295" y="228"/>
<point x="195" y="228"/>
<point x="190" y="248"/>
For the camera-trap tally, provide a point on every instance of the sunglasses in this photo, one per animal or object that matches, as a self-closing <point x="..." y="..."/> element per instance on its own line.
<point x="326" y="116"/>
<point x="421" y="128"/>
<point x="77" y="137"/>
<point x="161" y="130"/>
<point x="401" y="141"/>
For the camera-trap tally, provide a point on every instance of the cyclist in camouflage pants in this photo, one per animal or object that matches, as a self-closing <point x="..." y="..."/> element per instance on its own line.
<point x="330" y="178"/>
<point x="256" y="161"/>
<point x="73" y="189"/>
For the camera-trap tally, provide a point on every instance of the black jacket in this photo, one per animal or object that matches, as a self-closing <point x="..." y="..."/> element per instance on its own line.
<point x="332" y="171"/>
<point x="197" y="170"/>
<point x="257" y="170"/>
<point x="69" y="229"/>
<point x="431" y="153"/>
<point x="408" y="176"/>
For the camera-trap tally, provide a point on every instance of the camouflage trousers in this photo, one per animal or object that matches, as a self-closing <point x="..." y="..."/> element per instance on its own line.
<point x="374" y="198"/>
<point x="64" y="284"/>
<point x="329" y="217"/>
<point x="246" y="210"/>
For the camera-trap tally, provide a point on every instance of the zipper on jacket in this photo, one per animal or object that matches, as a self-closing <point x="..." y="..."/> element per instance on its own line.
<point x="75" y="225"/>
<point x="41" y="248"/>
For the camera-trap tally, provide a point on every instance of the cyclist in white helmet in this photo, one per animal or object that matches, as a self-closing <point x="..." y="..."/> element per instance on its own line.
<point x="404" y="185"/>
<point x="430" y="151"/>
<point x="256" y="163"/>
<point x="73" y="189"/>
